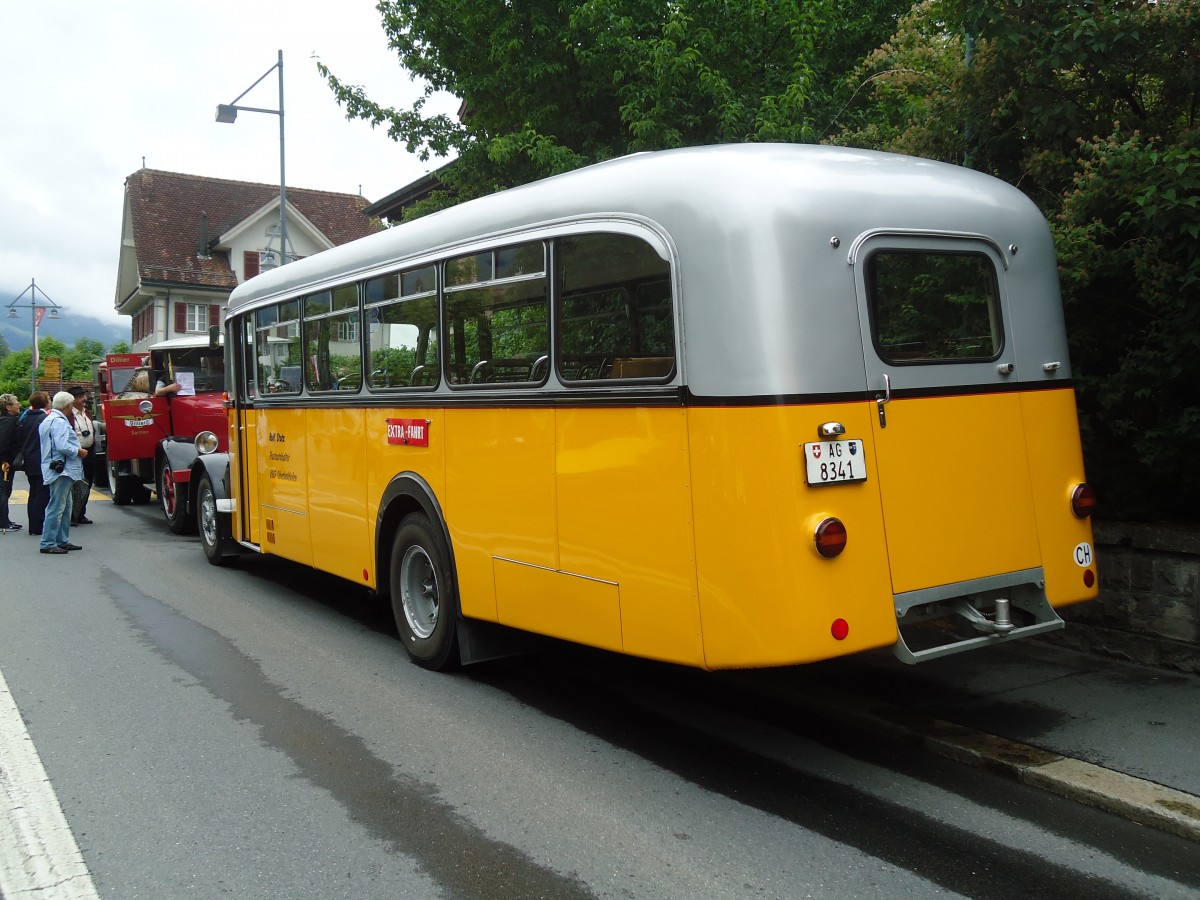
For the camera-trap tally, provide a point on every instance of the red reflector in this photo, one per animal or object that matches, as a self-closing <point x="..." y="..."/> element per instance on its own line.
<point x="1083" y="501"/>
<point x="839" y="629"/>
<point x="1089" y="578"/>
<point x="830" y="537"/>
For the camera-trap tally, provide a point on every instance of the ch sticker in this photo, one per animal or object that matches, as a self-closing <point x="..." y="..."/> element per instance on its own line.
<point x="1083" y="555"/>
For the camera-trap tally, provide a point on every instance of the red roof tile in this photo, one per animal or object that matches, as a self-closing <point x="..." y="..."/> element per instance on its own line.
<point x="166" y="210"/>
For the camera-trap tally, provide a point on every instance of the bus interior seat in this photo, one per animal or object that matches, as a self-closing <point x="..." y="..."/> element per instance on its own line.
<point x="641" y="367"/>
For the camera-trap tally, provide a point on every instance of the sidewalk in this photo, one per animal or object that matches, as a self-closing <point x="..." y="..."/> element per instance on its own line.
<point x="1121" y="737"/>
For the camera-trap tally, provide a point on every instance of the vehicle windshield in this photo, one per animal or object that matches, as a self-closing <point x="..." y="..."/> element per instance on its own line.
<point x="199" y="370"/>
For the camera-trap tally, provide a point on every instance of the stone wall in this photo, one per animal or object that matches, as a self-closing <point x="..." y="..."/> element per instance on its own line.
<point x="1148" y="610"/>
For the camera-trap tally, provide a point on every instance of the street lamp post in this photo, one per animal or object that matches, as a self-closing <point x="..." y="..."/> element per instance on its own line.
<point x="36" y="312"/>
<point x="227" y="113"/>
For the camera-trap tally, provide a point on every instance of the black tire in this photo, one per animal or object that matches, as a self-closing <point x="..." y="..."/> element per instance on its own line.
<point x="101" y="479"/>
<point x="424" y="597"/>
<point x="122" y="486"/>
<point x="173" y="501"/>
<point x="214" y="534"/>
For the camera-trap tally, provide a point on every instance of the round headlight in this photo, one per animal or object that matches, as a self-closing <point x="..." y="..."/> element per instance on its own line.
<point x="206" y="442"/>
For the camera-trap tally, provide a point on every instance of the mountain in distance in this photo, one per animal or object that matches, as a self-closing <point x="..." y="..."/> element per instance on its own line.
<point x="69" y="329"/>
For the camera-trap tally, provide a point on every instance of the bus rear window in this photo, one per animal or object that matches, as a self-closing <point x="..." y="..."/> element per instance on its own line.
<point x="933" y="307"/>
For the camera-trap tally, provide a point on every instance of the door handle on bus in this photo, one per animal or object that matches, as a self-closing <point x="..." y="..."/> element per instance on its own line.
<point x="882" y="400"/>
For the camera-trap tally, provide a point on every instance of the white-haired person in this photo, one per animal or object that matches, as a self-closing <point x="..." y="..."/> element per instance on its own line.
<point x="62" y="466"/>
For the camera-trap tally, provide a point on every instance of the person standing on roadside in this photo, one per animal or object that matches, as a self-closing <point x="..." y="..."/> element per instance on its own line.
<point x="85" y="428"/>
<point x="10" y="410"/>
<point x="62" y="466"/>
<point x="30" y="442"/>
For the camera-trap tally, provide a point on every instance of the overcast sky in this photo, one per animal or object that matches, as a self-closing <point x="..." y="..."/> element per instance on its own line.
<point x="90" y="89"/>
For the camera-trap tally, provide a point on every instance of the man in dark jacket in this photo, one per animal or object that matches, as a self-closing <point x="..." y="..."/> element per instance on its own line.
<point x="31" y="447"/>
<point x="10" y="409"/>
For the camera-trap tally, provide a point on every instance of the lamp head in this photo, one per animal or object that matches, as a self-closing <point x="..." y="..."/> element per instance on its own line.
<point x="226" y="113"/>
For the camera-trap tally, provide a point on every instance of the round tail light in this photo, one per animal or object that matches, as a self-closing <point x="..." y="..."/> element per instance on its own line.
<point x="830" y="537"/>
<point x="1083" y="501"/>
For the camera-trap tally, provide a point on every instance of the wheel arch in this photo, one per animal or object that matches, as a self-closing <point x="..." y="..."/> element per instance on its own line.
<point x="216" y="467"/>
<point x="180" y="456"/>
<point x="407" y="493"/>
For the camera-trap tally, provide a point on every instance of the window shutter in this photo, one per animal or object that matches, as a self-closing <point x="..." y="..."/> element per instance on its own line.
<point x="214" y="314"/>
<point x="249" y="264"/>
<point x="181" y="318"/>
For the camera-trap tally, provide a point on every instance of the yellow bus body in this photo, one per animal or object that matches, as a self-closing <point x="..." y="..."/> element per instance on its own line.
<point x="717" y="567"/>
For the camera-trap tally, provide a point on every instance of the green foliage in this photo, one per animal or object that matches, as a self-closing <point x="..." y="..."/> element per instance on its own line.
<point x="1128" y="242"/>
<point x="908" y="96"/>
<point x="14" y="373"/>
<point x="76" y="363"/>
<point x="550" y="85"/>
<point x="1092" y="110"/>
<point x="393" y="365"/>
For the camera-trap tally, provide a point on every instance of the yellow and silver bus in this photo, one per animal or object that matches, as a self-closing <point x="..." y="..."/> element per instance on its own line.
<point x="726" y="406"/>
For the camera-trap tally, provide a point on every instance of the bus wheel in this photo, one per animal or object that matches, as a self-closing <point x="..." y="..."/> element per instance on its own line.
<point x="174" y="503"/>
<point x="423" y="599"/>
<point x="208" y="522"/>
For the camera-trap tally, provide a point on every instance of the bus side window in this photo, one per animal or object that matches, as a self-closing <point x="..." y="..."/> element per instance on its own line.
<point x="332" y="345"/>
<point x="498" y="314"/>
<point x="616" y="317"/>
<point x="402" y="330"/>
<point x="278" y="348"/>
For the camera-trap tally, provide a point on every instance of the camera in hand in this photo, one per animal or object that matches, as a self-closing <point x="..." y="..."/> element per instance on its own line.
<point x="57" y="465"/>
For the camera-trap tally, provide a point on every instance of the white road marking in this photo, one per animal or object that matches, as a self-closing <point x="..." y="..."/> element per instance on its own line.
<point x="38" y="853"/>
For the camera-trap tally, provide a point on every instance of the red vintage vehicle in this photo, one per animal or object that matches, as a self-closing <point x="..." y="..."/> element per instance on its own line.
<point x="152" y="440"/>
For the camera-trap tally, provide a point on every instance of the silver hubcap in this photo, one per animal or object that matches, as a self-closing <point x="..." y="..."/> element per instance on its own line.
<point x="419" y="592"/>
<point x="208" y="518"/>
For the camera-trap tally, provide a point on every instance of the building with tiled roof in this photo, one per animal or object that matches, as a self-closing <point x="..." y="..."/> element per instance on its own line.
<point x="188" y="241"/>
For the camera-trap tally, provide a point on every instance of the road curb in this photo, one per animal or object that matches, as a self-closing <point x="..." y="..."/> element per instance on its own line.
<point x="1145" y="802"/>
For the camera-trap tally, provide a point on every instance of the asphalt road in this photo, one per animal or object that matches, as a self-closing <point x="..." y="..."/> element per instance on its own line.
<point x="256" y="732"/>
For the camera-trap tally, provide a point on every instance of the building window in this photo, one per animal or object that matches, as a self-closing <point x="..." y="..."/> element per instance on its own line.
<point x="197" y="317"/>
